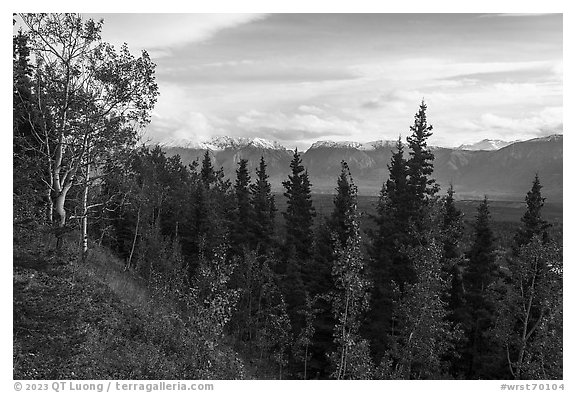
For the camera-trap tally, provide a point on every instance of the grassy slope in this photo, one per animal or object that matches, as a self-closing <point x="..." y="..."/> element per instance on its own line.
<point x="94" y="321"/>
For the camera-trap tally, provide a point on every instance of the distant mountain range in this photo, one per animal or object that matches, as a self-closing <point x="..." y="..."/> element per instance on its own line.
<point x="501" y="170"/>
<point x="487" y="144"/>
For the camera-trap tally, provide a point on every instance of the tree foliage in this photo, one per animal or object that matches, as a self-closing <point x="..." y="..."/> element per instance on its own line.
<point x="529" y="313"/>
<point x="94" y="97"/>
<point x="533" y="223"/>
<point x="264" y="207"/>
<point x="420" y="164"/>
<point x="423" y="336"/>
<point x="481" y="272"/>
<point x="299" y="212"/>
<point x="350" y="300"/>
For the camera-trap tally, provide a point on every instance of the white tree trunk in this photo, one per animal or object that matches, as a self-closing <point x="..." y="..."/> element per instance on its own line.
<point x="85" y="215"/>
<point x="134" y="241"/>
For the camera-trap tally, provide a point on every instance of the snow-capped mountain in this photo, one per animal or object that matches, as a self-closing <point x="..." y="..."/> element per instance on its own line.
<point x="549" y="138"/>
<point x="219" y="143"/>
<point x="379" y="144"/>
<point x="335" y="145"/>
<point x="227" y="142"/>
<point x="486" y="144"/>
<point x="374" y="145"/>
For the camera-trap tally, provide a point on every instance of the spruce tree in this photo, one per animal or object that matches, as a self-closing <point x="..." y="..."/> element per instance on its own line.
<point x="300" y="213"/>
<point x="480" y="273"/>
<point x="243" y="217"/>
<point x="264" y="209"/>
<point x="298" y="217"/>
<point x="533" y="223"/>
<point x="420" y="165"/>
<point x="396" y="216"/>
<point x="393" y="214"/>
<point x="335" y="229"/>
<point x="396" y="191"/>
<point x="30" y="179"/>
<point x="452" y="225"/>
<point x="207" y="173"/>
<point x="389" y="266"/>
<point x="342" y="204"/>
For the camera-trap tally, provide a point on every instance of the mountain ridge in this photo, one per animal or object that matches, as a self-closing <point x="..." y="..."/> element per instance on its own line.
<point x="505" y="173"/>
<point x="223" y="142"/>
<point x="486" y="144"/>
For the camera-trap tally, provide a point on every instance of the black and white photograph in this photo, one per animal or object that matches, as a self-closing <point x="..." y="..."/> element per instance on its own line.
<point x="287" y="196"/>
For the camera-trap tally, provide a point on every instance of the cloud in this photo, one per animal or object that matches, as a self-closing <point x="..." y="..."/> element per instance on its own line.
<point x="157" y="32"/>
<point x="399" y="100"/>
<point x="433" y="68"/>
<point x="325" y="77"/>
<point x="319" y="124"/>
<point x="311" y="109"/>
<point x="299" y="128"/>
<point x="515" y="15"/>
<point x="244" y="71"/>
<point x="544" y="122"/>
<point x="193" y="127"/>
<point x="230" y="63"/>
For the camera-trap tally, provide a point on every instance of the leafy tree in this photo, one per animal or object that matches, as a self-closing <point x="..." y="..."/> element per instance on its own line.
<point x="118" y="213"/>
<point x="264" y="208"/>
<point x="274" y="335"/>
<point x="209" y="303"/>
<point x="529" y="314"/>
<point x="303" y="342"/>
<point x="423" y="335"/>
<point x="480" y="273"/>
<point x="252" y="276"/>
<point x="95" y="96"/>
<point x="318" y="272"/>
<point x="533" y="223"/>
<point x="350" y="301"/>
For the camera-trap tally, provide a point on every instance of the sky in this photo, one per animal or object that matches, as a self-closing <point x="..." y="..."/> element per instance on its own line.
<point x="300" y="78"/>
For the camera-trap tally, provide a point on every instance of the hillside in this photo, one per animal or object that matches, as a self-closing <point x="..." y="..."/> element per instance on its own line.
<point x="96" y="321"/>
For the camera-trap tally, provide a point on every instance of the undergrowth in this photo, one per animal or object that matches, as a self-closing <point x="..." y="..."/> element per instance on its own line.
<point x="93" y="320"/>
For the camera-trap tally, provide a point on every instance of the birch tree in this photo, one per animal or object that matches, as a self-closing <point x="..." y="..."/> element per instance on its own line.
<point x="350" y="301"/>
<point x="96" y="97"/>
<point x="424" y="337"/>
<point x="529" y="316"/>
